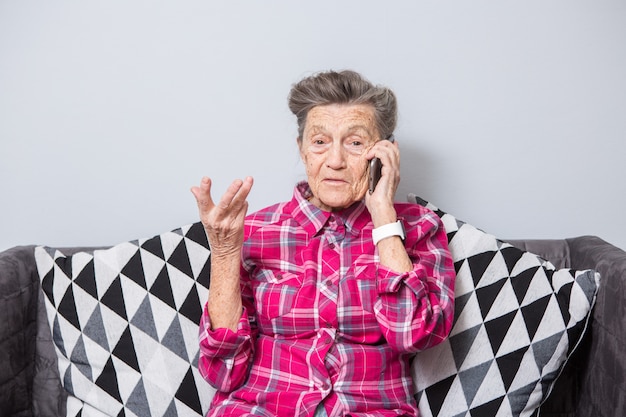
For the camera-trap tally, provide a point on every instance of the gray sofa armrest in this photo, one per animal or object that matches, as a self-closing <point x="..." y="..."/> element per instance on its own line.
<point x="603" y="390"/>
<point x="592" y="383"/>
<point x="29" y="375"/>
<point x="18" y="328"/>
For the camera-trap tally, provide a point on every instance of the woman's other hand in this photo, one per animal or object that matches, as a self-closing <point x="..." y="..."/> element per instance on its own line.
<point x="224" y="226"/>
<point x="224" y="221"/>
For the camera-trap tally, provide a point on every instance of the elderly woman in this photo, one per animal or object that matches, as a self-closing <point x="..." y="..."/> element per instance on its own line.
<point x="317" y="305"/>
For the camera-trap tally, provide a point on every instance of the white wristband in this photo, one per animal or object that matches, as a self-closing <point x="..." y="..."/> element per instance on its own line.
<point x="388" y="230"/>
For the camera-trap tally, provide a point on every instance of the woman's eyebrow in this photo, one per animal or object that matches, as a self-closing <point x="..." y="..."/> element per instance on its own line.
<point x="322" y="129"/>
<point x="318" y="128"/>
<point x="358" y="127"/>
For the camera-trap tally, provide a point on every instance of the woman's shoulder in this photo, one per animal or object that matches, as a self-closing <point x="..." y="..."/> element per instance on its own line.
<point x="420" y="221"/>
<point x="275" y="214"/>
<point x="414" y="211"/>
<point x="268" y="214"/>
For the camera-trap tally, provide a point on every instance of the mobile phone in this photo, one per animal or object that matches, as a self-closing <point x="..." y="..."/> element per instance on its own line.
<point x="376" y="170"/>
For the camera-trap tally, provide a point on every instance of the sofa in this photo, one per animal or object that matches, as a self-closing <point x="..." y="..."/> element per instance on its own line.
<point x="592" y="381"/>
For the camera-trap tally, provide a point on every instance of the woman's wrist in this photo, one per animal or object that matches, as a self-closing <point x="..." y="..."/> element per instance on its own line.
<point x="388" y="230"/>
<point x="384" y="216"/>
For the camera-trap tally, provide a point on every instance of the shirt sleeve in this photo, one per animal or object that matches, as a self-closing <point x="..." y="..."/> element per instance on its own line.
<point x="415" y="310"/>
<point x="224" y="353"/>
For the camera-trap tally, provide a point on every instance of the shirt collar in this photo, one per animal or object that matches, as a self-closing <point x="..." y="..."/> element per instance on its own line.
<point x="313" y="219"/>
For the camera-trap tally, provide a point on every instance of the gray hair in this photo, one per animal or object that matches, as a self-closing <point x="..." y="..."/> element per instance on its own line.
<point x="344" y="87"/>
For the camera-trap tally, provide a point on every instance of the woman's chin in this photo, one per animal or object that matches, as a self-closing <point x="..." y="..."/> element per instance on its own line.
<point x="336" y="204"/>
<point x="335" y="197"/>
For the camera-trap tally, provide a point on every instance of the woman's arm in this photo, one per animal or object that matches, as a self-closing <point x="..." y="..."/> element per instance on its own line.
<point x="415" y="305"/>
<point x="225" y="332"/>
<point x="415" y="309"/>
<point x="224" y="225"/>
<point x="380" y="204"/>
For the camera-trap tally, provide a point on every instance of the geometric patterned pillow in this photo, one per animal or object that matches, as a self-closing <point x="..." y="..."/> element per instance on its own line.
<point x="125" y="324"/>
<point x="517" y="320"/>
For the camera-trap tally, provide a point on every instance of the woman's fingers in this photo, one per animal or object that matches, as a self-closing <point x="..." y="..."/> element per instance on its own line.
<point x="236" y="194"/>
<point x="233" y="198"/>
<point x="380" y="202"/>
<point x="202" y="193"/>
<point x="389" y="155"/>
<point x="388" y="152"/>
<point x="223" y="222"/>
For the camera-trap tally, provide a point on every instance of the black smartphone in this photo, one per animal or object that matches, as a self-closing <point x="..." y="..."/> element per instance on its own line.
<point x="376" y="170"/>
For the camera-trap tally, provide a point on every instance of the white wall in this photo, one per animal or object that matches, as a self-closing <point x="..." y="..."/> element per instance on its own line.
<point x="512" y="114"/>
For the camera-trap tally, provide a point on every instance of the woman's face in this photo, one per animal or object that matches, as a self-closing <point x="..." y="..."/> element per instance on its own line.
<point x="335" y="141"/>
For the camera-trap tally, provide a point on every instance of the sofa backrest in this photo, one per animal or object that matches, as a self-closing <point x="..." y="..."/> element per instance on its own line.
<point x="556" y="251"/>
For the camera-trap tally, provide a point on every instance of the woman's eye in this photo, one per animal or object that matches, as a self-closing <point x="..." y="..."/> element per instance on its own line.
<point x="355" y="146"/>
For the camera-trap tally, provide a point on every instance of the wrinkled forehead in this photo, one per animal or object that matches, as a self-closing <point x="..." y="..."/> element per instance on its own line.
<point x="341" y="118"/>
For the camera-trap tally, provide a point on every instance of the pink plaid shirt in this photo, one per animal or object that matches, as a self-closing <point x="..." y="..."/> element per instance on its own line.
<point x="323" y="322"/>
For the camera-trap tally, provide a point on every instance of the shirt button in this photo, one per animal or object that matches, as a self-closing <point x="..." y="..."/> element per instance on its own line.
<point x="328" y="341"/>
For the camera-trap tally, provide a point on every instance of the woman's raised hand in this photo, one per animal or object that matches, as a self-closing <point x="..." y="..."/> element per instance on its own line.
<point x="380" y="202"/>
<point x="224" y="225"/>
<point x="224" y="221"/>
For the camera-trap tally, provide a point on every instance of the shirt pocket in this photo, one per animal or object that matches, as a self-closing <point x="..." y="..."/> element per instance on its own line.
<point x="365" y="279"/>
<point x="276" y="292"/>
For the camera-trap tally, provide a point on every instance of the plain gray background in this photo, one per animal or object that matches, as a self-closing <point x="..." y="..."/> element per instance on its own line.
<point x="512" y="114"/>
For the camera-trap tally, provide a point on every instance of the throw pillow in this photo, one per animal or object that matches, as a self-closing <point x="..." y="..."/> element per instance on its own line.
<point x="517" y="320"/>
<point x="124" y="321"/>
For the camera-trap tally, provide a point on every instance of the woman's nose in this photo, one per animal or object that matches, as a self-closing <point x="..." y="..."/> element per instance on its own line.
<point x="336" y="157"/>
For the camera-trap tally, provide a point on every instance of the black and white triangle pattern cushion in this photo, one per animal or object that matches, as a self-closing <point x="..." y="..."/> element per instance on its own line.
<point x="125" y="324"/>
<point x="517" y="320"/>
